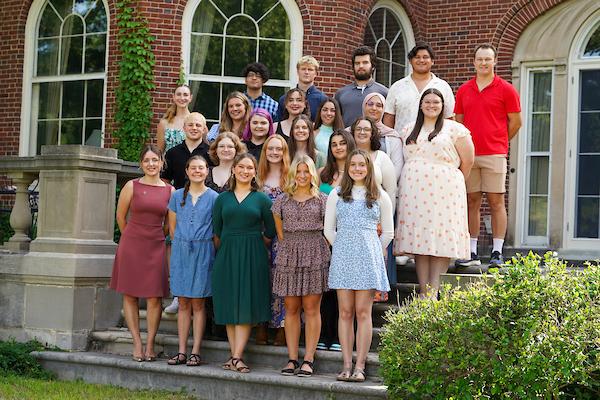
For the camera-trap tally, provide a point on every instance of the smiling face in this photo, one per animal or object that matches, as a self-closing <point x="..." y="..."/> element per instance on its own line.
<point x="295" y="104"/>
<point x="226" y="150"/>
<point x="236" y="109"/>
<point x="357" y="168"/>
<point x="300" y="131"/>
<point x="422" y="62"/>
<point x="303" y="176"/>
<point x="374" y="108"/>
<point x="151" y="164"/>
<point x="339" y="147"/>
<point x="195" y="128"/>
<point x="328" y="113"/>
<point x="432" y="106"/>
<point x="485" y="61"/>
<point x="259" y="127"/>
<point x="274" y="151"/>
<point x="196" y="171"/>
<point x="182" y="96"/>
<point x="244" y="171"/>
<point x="362" y="134"/>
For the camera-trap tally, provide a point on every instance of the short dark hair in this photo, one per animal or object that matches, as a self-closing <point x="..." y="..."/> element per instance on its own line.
<point x="420" y="46"/>
<point x="486" y="46"/>
<point x="365" y="51"/>
<point x="257" y="68"/>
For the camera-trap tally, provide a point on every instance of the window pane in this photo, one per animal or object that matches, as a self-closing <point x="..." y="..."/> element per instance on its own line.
<point x="538" y="216"/>
<point x="587" y="217"/>
<point x="238" y="53"/>
<point x="398" y="72"/>
<point x="228" y="7"/>
<point x="241" y="26"/>
<point x="93" y="132"/>
<point x="47" y="57"/>
<point x="72" y="49"/>
<point x="588" y="182"/>
<point x="82" y="7"/>
<point x="275" y="25"/>
<point x="206" y="98"/>
<point x="592" y="49"/>
<point x="96" y="19"/>
<point x="95" y="95"/>
<point x="540" y="132"/>
<point x="275" y="91"/>
<point x="49" y="100"/>
<point x="257" y="8"/>
<point x="275" y="55"/>
<point x="542" y="91"/>
<point x="205" y="55"/>
<point x="383" y="50"/>
<point x="590" y="90"/>
<point x="207" y="19"/>
<point x="47" y="133"/>
<point x="73" y="25"/>
<point x="376" y="19"/>
<point x="399" y="51"/>
<point x="49" y="23"/>
<point x="72" y="104"/>
<point x="95" y="52"/>
<point x="538" y="175"/>
<point x="589" y="133"/>
<point x="70" y="132"/>
<point x="64" y="7"/>
<point x="392" y="26"/>
<point x="382" y="73"/>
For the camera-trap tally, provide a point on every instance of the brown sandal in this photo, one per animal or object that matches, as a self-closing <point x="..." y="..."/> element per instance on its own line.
<point x="228" y="365"/>
<point x="244" y="369"/>
<point x="358" y="375"/>
<point x="344" y="376"/>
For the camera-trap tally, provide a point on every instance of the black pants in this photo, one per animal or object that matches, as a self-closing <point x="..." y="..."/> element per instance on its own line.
<point x="329" y="318"/>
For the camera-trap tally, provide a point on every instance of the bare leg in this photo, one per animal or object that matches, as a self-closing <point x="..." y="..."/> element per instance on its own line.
<point x="231" y="337"/>
<point x="199" y="323"/>
<point x="474" y="207"/>
<point x="498" y="212"/>
<point x="132" y="318"/>
<point x="364" y="332"/>
<point x="292" y="306"/>
<point x="184" y="316"/>
<point x="312" y="329"/>
<point x="153" y="314"/>
<point x="423" y="266"/>
<point x="242" y="334"/>
<point x="438" y="266"/>
<point x="346" y="324"/>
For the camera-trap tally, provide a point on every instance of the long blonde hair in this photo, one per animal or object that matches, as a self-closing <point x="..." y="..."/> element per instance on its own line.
<point x="172" y="109"/>
<point x="264" y="167"/>
<point x="226" y="123"/>
<point x="291" y="187"/>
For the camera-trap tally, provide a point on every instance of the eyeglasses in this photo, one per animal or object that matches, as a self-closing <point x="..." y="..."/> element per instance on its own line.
<point x="253" y="75"/>
<point x="361" y="129"/>
<point x="225" y="146"/>
<point x="372" y="103"/>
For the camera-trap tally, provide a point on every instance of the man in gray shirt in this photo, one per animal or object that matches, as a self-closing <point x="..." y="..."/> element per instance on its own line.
<point x="351" y="96"/>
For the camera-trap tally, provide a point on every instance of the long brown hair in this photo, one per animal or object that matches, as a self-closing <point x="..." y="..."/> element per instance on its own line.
<point x="338" y="121"/>
<point x="286" y="114"/>
<point x="232" y="182"/>
<point x="330" y="168"/>
<point x="439" y="122"/>
<point x="172" y="109"/>
<point x="186" y="188"/>
<point x="347" y="183"/>
<point x="264" y="167"/>
<point x="311" y="148"/>
<point x="240" y="147"/>
<point x="226" y="123"/>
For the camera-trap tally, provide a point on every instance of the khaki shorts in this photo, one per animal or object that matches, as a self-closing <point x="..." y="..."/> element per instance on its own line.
<point x="488" y="175"/>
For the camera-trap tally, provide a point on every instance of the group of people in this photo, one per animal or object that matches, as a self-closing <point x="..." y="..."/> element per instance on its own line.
<point x="300" y="221"/>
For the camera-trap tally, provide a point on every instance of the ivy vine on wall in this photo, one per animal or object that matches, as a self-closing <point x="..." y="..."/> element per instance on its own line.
<point x="136" y="80"/>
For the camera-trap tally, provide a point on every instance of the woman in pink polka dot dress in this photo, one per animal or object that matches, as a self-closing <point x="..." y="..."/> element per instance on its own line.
<point x="432" y="205"/>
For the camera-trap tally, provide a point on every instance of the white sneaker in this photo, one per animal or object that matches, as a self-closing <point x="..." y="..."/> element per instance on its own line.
<point x="402" y="260"/>
<point x="173" y="307"/>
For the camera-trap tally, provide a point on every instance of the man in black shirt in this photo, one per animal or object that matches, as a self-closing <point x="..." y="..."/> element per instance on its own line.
<point x="194" y="144"/>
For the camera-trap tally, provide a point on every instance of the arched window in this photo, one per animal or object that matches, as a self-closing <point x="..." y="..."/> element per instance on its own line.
<point x="222" y="36"/>
<point x="388" y="32"/>
<point x="68" y="73"/>
<point x="592" y="48"/>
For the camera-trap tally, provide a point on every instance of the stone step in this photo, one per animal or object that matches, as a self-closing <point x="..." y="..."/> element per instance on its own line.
<point x="119" y="342"/>
<point x="207" y="382"/>
<point x="408" y="273"/>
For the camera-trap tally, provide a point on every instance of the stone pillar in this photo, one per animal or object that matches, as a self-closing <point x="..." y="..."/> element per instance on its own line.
<point x="20" y="216"/>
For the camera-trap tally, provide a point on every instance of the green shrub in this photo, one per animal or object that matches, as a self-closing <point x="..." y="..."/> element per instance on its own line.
<point x="16" y="360"/>
<point x="532" y="333"/>
<point x="6" y="231"/>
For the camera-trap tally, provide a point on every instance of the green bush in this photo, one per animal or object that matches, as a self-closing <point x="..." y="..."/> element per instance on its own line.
<point x="531" y="333"/>
<point x="16" y="360"/>
<point x="6" y="231"/>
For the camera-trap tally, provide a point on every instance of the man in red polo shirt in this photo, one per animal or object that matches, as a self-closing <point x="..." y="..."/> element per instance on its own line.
<point x="490" y="108"/>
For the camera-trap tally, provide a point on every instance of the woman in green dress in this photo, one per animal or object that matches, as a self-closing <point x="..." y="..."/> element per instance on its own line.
<point x="243" y="224"/>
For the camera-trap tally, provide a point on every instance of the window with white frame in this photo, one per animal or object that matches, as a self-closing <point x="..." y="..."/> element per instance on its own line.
<point x="68" y="79"/>
<point x="225" y="36"/>
<point x="537" y="155"/>
<point x="386" y="35"/>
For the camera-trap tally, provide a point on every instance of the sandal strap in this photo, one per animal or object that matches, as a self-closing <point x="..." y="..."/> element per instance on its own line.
<point x="295" y="363"/>
<point x="177" y="358"/>
<point x="195" y="357"/>
<point x="309" y="363"/>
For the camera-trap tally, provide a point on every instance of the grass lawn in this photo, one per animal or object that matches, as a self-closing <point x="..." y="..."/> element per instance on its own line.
<point x="14" y="387"/>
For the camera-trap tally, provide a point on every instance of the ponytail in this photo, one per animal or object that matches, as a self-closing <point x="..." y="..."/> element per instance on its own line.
<point x="186" y="190"/>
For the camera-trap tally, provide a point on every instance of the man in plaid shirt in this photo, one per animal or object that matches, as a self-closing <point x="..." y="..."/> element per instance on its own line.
<point x="257" y="75"/>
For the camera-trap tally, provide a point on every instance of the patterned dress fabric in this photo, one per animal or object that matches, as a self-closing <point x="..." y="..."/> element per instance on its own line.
<point x="211" y="183"/>
<point x="302" y="261"/>
<point x="140" y="266"/>
<point x="432" y="205"/>
<point x="173" y="137"/>
<point x="192" y="248"/>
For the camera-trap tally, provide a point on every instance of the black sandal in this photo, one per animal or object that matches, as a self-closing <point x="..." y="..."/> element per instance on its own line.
<point x="291" y="371"/>
<point x="302" y="373"/>
<point x="177" y="359"/>
<point x="194" y="360"/>
<point x="244" y="369"/>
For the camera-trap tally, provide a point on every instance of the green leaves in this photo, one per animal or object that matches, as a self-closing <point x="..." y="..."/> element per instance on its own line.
<point x="136" y="81"/>
<point x="533" y="332"/>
